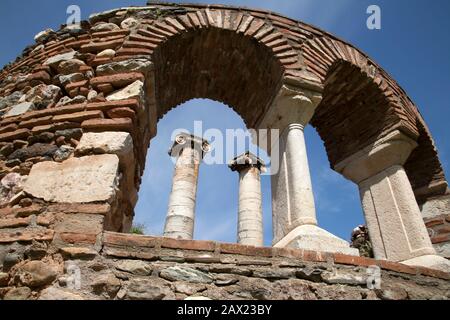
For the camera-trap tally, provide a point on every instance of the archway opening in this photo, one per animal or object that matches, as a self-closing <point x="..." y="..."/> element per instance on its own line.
<point x="217" y="193"/>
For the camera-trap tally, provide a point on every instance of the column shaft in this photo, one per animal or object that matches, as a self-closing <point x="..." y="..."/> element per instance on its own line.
<point x="292" y="194"/>
<point x="250" y="220"/>
<point x="181" y="211"/>
<point x="395" y="224"/>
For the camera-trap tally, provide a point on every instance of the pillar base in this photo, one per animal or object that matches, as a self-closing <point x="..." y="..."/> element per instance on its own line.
<point x="311" y="237"/>
<point x="430" y="261"/>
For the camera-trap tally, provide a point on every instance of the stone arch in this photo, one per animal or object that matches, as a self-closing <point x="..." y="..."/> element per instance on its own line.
<point x="67" y="81"/>
<point x="351" y="78"/>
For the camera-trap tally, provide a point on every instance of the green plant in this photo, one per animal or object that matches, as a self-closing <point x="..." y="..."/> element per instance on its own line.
<point x="138" y="228"/>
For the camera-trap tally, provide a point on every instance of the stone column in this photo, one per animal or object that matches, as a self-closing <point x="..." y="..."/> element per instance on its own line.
<point x="393" y="217"/>
<point x="250" y="219"/>
<point x="189" y="151"/>
<point x="293" y="208"/>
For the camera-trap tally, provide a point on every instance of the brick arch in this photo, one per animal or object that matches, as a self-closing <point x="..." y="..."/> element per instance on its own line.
<point x="233" y="64"/>
<point x="374" y="105"/>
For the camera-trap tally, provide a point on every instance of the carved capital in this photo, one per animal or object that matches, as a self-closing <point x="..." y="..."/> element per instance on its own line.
<point x="247" y="160"/>
<point x="393" y="149"/>
<point x="186" y="140"/>
<point x="291" y="105"/>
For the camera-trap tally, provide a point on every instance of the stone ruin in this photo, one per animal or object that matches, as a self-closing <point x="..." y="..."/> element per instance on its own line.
<point x="80" y="107"/>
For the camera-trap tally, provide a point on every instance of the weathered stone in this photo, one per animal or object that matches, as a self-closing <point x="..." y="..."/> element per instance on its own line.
<point x="7" y="149"/>
<point x="43" y="35"/>
<point x="36" y="150"/>
<point x="134" y="266"/>
<point x="77" y="180"/>
<point x="129" y="23"/>
<point x="10" y="100"/>
<point x="20" y="293"/>
<point x="20" y="109"/>
<point x="70" y="133"/>
<point x="430" y="261"/>
<point x="134" y="90"/>
<point x="71" y="66"/>
<point x="104" y="26"/>
<point x="145" y="289"/>
<point x="119" y="143"/>
<point x="56" y="60"/>
<point x="188" y="288"/>
<point x="4" y="277"/>
<point x="108" y="53"/>
<point x="344" y="278"/>
<point x="36" y="274"/>
<point x="274" y="273"/>
<point x="131" y="65"/>
<point x="185" y="274"/>
<point x="78" y="253"/>
<point x="63" y="153"/>
<point x="106" y="284"/>
<point x="53" y="293"/>
<point x="42" y="95"/>
<point x="65" y="101"/>
<point x="70" y="78"/>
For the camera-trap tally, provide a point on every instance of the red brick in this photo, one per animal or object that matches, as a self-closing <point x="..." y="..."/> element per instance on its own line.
<point x="118" y="80"/>
<point x="447" y="218"/>
<point x="100" y="46"/>
<point x="54" y="111"/>
<point x="79" y="116"/>
<point x="441" y="238"/>
<point x="106" y="88"/>
<point x="434" y="222"/>
<point x="14" y="223"/>
<point x="26" y="235"/>
<point x="433" y="273"/>
<point x="27" y="211"/>
<point x="36" y="122"/>
<point x="444" y="229"/>
<point x="134" y="52"/>
<point x="394" y="266"/>
<point x="39" y="76"/>
<point x="353" y="260"/>
<point x="107" y="105"/>
<point x="121" y="113"/>
<point x="6" y="212"/>
<point x="120" y="124"/>
<point x="234" y="248"/>
<point x="15" y="135"/>
<point x="288" y="253"/>
<point x="102" y="209"/>
<point x="129" y="240"/>
<point x="8" y="128"/>
<point x="141" y="45"/>
<point x="74" y="238"/>
<point x="55" y="126"/>
<point x="75" y="85"/>
<point x="188" y="244"/>
<point x="131" y="254"/>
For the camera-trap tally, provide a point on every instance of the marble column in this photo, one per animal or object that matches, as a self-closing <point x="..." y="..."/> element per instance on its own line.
<point x="189" y="151"/>
<point x="293" y="208"/>
<point x="250" y="218"/>
<point x="396" y="228"/>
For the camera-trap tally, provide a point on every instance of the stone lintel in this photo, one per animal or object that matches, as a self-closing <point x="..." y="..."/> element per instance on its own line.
<point x="246" y="160"/>
<point x="186" y="140"/>
<point x="392" y="149"/>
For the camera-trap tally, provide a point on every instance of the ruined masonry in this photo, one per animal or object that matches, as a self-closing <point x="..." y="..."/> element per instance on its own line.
<point x="79" y="108"/>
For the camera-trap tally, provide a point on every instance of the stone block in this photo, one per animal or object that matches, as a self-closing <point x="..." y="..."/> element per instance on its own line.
<point x="310" y="237"/>
<point x="19" y="109"/>
<point x="77" y="180"/>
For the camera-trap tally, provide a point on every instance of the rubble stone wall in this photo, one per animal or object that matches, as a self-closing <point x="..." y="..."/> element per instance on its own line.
<point x="128" y="267"/>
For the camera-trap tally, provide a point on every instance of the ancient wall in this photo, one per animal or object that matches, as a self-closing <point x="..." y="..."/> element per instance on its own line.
<point x="124" y="267"/>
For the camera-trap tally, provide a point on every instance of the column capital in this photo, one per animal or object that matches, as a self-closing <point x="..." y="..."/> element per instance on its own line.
<point x="292" y="104"/>
<point x="392" y="149"/>
<point x="246" y="160"/>
<point x="186" y="140"/>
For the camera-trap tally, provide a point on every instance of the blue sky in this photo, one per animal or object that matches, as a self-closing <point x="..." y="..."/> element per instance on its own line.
<point x="413" y="46"/>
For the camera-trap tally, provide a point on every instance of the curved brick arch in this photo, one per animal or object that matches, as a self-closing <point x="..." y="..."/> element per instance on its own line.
<point x="335" y="63"/>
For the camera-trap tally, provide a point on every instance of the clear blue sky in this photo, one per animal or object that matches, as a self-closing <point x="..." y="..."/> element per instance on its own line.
<point x="413" y="46"/>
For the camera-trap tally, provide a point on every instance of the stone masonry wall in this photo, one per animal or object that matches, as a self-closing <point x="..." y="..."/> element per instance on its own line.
<point x="127" y="267"/>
